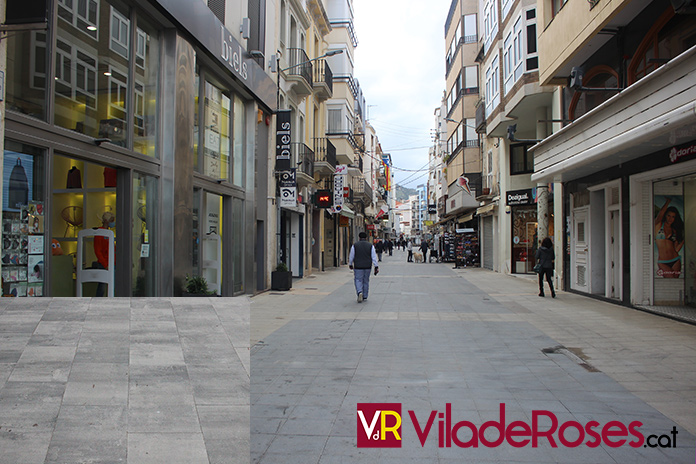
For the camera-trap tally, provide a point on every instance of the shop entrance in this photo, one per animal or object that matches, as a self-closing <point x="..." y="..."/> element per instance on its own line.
<point x="524" y="238"/>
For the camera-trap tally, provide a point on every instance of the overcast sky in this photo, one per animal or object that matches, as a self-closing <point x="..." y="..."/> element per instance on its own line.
<point x="400" y="64"/>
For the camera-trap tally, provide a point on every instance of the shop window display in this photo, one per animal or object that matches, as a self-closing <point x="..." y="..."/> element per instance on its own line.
<point x="82" y="193"/>
<point x="674" y="248"/>
<point x="23" y="242"/>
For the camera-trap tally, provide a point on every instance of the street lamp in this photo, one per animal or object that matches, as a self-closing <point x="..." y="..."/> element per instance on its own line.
<point x="458" y="122"/>
<point x="327" y="54"/>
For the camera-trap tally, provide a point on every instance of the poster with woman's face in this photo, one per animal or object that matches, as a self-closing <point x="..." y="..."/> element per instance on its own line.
<point x="669" y="236"/>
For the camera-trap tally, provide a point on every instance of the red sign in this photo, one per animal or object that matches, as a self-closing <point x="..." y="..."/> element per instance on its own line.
<point x="371" y="227"/>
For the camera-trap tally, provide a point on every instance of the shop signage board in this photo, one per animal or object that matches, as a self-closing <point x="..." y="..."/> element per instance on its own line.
<point x="682" y="153"/>
<point x="288" y="188"/>
<point x="339" y="183"/>
<point x="520" y="197"/>
<point x="283" y="139"/>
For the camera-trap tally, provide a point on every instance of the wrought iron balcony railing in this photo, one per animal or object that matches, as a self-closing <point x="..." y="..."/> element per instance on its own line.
<point x="299" y="65"/>
<point x="303" y="158"/>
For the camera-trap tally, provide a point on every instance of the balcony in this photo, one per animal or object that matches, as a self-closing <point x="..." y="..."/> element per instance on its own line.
<point x="303" y="158"/>
<point x="299" y="72"/>
<point x="481" y="118"/>
<point x="361" y="190"/>
<point x="324" y="156"/>
<point x="323" y="81"/>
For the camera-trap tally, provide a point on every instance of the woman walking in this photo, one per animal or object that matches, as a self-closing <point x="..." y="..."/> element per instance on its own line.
<point x="545" y="258"/>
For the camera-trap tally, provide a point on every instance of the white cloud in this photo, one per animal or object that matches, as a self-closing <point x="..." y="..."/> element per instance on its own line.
<point x="400" y="64"/>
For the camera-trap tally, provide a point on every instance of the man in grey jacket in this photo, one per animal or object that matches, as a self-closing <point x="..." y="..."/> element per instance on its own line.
<point x="362" y="257"/>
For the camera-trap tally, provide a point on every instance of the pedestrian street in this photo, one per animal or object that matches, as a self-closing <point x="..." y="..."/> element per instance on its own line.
<point x="481" y="342"/>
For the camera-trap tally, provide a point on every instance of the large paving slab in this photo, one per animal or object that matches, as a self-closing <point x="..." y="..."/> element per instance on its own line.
<point x="430" y="336"/>
<point x="124" y="380"/>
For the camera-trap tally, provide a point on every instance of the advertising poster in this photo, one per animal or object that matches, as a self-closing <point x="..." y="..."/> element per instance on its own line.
<point x="669" y="236"/>
<point x="17" y="180"/>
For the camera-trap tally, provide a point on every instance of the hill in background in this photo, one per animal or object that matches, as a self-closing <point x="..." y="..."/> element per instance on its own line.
<point x="402" y="193"/>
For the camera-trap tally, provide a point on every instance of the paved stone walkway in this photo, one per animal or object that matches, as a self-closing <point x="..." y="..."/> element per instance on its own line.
<point x="124" y="380"/>
<point x="430" y="335"/>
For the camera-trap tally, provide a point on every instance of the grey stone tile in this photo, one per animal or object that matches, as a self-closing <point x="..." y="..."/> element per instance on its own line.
<point x="89" y="434"/>
<point x="30" y="406"/>
<point x="166" y="448"/>
<point x="95" y="347"/>
<point x="97" y="384"/>
<point x="23" y="446"/>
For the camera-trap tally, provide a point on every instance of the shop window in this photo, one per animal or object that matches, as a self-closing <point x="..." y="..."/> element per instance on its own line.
<point x="24" y="247"/>
<point x="84" y="197"/>
<point x="238" y="154"/>
<point x="91" y="81"/>
<point x="120" y="33"/>
<point x="144" y="235"/>
<point x="81" y="15"/>
<point x="521" y="161"/>
<point x="145" y="89"/>
<point x="216" y="134"/>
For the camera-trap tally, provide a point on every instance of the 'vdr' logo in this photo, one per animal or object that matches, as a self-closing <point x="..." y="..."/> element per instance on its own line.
<point x="379" y="425"/>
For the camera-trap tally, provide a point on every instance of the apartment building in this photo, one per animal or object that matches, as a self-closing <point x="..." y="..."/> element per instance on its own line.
<point x="624" y="151"/>
<point x="145" y="120"/>
<point x="305" y="81"/>
<point x="463" y="158"/>
<point x="515" y="212"/>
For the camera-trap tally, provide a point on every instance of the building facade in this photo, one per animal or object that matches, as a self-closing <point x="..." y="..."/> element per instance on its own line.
<point x="150" y="123"/>
<point x="624" y="151"/>
<point x="463" y="156"/>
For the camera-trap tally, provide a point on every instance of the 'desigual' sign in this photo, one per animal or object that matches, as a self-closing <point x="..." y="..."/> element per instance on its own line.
<point x="519" y="197"/>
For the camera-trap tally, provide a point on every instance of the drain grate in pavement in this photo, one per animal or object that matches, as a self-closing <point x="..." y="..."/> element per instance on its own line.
<point x="276" y="293"/>
<point x="569" y="353"/>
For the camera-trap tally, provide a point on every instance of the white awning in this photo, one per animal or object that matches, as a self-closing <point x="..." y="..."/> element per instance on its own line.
<point x="347" y="212"/>
<point x="486" y="210"/>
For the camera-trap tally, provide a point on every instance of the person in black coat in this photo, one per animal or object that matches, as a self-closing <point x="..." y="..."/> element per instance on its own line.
<point x="545" y="258"/>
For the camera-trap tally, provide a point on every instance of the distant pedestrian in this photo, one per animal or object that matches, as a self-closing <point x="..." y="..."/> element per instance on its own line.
<point x="424" y="250"/>
<point x="545" y="257"/>
<point x="390" y="246"/>
<point x="379" y="248"/>
<point x="409" y="248"/>
<point x="362" y="257"/>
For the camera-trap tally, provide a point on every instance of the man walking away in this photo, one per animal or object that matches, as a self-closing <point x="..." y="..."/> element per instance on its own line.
<point x="379" y="248"/>
<point x="409" y="247"/>
<point x="362" y="257"/>
<point x="390" y="245"/>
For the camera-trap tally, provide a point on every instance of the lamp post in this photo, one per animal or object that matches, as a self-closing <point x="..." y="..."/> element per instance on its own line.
<point x="327" y="54"/>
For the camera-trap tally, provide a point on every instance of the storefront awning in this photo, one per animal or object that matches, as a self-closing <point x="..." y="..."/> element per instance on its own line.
<point x="465" y="218"/>
<point x="347" y="212"/>
<point x="485" y="210"/>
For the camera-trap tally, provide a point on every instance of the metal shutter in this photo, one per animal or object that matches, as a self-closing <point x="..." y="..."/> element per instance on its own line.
<point x="487" y="242"/>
